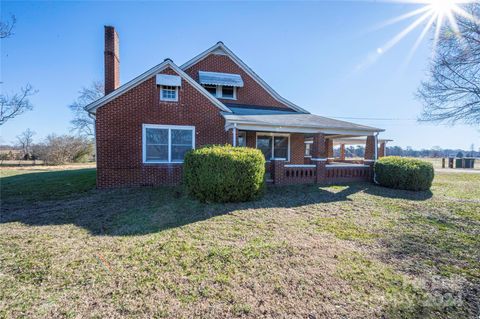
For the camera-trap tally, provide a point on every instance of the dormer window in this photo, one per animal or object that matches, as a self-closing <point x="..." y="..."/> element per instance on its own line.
<point x="228" y="92"/>
<point x="222" y="92"/>
<point x="169" y="85"/>
<point x="221" y="85"/>
<point x="212" y="89"/>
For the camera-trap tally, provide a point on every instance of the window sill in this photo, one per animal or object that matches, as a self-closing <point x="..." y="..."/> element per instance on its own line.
<point x="162" y="163"/>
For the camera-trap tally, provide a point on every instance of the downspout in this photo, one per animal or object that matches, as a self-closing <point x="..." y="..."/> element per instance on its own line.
<point x="90" y="115"/>
<point x="375" y="156"/>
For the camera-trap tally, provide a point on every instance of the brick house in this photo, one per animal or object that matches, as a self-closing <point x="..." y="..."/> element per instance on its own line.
<point x="144" y="127"/>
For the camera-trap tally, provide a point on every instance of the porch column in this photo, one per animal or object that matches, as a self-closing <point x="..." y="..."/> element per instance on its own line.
<point x="370" y="148"/>
<point x="319" y="146"/>
<point x="278" y="171"/>
<point x="382" y="151"/>
<point x="233" y="136"/>
<point x="329" y="147"/>
<point x="342" y="152"/>
<point x="319" y="156"/>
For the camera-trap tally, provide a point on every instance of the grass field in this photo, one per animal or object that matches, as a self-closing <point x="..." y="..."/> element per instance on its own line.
<point x="343" y="251"/>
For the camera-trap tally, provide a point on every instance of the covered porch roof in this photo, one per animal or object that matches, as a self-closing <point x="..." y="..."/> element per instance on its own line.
<point x="296" y="123"/>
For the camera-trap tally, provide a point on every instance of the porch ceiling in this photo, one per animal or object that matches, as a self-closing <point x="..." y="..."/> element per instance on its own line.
<point x="297" y="122"/>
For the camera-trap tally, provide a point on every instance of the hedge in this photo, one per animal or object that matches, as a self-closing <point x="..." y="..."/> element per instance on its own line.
<point x="224" y="173"/>
<point x="404" y="173"/>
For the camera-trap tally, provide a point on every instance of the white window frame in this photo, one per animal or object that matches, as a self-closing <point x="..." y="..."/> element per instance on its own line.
<point x="308" y="156"/>
<point x="219" y="94"/>
<point x="272" y="135"/>
<point x="169" y="127"/>
<point x="167" y="99"/>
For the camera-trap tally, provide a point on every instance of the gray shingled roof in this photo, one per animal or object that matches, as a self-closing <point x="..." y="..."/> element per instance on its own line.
<point x="298" y="120"/>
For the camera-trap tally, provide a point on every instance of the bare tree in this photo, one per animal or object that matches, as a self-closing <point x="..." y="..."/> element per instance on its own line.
<point x="6" y="28"/>
<point x="64" y="149"/>
<point x="452" y="92"/>
<point x="25" y="141"/>
<point x="82" y="123"/>
<point x="18" y="103"/>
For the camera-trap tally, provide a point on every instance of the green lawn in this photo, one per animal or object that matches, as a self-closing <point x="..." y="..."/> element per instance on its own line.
<point x="343" y="251"/>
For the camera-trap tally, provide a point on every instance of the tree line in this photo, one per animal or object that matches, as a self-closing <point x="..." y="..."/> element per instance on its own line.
<point x="359" y="151"/>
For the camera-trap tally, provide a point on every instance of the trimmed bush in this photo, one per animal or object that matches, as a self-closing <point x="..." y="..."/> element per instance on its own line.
<point x="404" y="173"/>
<point x="224" y="173"/>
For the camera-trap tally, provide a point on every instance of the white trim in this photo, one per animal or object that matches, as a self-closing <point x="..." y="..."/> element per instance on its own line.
<point x="319" y="159"/>
<point x="273" y="136"/>
<point x="167" y="99"/>
<point x="295" y="129"/>
<point x="279" y="159"/>
<point x="301" y="165"/>
<point x="346" y="165"/>
<point x="169" y="143"/>
<point x="234" y="137"/>
<point x="368" y="160"/>
<point x="92" y="107"/>
<point x="245" y="68"/>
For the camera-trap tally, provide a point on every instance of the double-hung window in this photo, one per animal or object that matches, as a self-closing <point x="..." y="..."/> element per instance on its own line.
<point x="308" y="148"/>
<point x="167" y="143"/>
<point x="274" y="146"/>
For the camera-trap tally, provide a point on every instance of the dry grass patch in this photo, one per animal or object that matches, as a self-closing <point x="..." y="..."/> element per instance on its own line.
<point x="356" y="251"/>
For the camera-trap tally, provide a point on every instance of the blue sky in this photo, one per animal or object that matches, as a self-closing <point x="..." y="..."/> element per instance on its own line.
<point x="312" y="53"/>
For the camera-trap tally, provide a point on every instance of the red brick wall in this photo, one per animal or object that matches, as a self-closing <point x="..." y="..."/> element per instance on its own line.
<point x="251" y="93"/>
<point x="119" y="132"/>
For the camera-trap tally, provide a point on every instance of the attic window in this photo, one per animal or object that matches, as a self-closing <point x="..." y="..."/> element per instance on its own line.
<point x="169" y="93"/>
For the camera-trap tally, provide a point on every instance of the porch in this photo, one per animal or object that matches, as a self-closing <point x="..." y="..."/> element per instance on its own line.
<point x="303" y="153"/>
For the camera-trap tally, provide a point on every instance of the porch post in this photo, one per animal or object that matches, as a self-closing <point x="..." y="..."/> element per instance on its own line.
<point x="382" y="150"/>
<point x="319" y="156"/>
<point x="278" y="171"/>
<point x="233" y="135"/>
<point x="329" y="147"/>
<point x="342" y="152"/>
<point x="370" y="148"/>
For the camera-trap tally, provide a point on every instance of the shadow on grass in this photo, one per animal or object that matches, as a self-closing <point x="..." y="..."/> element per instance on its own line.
<point x="70" y="197"/>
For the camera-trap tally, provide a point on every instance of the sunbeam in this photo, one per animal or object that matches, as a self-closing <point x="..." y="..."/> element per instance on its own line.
<point x="438" y="13"/>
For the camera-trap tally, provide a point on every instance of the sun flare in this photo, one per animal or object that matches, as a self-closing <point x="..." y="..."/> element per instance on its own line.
<point x="432" y="15"/>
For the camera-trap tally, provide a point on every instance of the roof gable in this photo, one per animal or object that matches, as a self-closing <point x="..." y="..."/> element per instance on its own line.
<point x="92" y="107"/>
<point x="221" y="49"/>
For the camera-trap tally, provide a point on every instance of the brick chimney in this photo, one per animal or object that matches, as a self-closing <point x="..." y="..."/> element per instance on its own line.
<point x="112" y="60"/>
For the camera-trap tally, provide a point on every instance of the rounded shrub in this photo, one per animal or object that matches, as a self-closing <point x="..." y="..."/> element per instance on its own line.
<point x="404" y="173"/>
<point x="224" y="173"/>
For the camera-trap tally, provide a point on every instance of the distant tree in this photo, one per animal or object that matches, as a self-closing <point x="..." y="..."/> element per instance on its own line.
<point x="62" y="149"/>
<point x="82" y="123"/>
<point x="18" y="103"/>
<point x="459" y="155"/>
<point x="25" y="141"/>
<point x="452" y="92"/>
